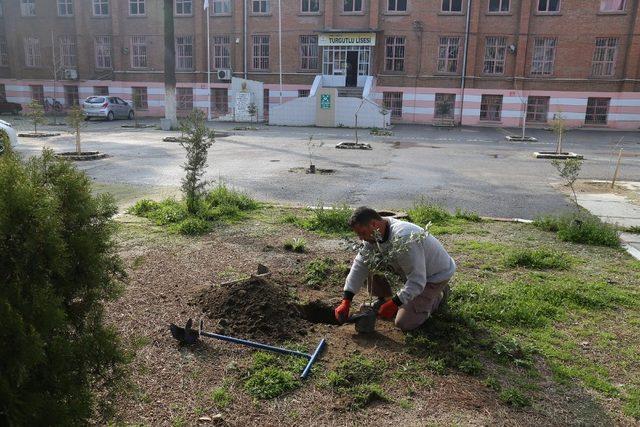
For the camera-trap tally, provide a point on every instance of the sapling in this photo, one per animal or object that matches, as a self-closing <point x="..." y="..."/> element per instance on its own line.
<point x="559" y="127"/>
<point x="36" y="114"/>
<point x="569" y="170"/>
<point x="75" y="120"/>
<point x="311" y="145"/>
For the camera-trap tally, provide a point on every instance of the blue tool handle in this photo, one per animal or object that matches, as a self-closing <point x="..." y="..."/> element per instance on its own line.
<point x="254" y="344"/>
<point x="313" y="358"/>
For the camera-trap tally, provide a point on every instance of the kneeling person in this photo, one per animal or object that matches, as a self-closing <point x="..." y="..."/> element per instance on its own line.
<point x="425" y="264"/>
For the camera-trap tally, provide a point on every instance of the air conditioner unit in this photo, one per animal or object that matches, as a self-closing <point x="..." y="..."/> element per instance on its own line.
<point x="70" y="74"/>
<point x="224" y="74"/>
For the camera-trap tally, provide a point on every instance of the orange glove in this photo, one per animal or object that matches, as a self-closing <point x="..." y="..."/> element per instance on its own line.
<point x="388" y="309"/>
<point x="342" y="311"/>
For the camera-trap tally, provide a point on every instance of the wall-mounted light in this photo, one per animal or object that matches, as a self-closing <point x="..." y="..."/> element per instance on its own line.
<point x="512" y="48"/>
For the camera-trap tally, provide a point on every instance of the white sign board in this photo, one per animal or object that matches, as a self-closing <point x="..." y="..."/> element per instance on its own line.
<point x="347" y="39"/>
<point x="243" y="99"/>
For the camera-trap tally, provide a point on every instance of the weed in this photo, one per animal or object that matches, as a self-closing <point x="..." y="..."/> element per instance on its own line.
<point x="357" y="370"/>
<point x="539" y="259"/>
<point x="467" y="215"/>
<point x="291" y="219"/>
<point x="514" y="397"/>
<point x="512" y="350"/>
<point x="580" y="227"/>
<point x="635" y="229"/>
<point x="221" y="195"/>
<point x="140" y="341"/>
<point x="632" y="403"/>
<point x="329" y="221"/>
<point x="190" y="226"/>
<point x="414" y="372"/>
<point x="423" y="213"/>
<point x="325" y="272"/>
<point x="471" y="366"/>
<point x="221" y="397"/>
<point x="405" y="404"/>
<point x="298" y="245"/>
<point x="137" y="262"/>
<point x="270" y="382"/>
<point x="364" y="394"/>
<point x="493" y="383"/>
<point x="143" y="207"/>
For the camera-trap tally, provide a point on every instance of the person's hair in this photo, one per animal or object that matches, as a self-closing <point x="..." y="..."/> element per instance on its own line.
<point x="363" y="216"/>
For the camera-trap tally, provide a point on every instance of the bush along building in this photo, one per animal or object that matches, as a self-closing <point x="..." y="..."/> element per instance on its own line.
<point x="304" y="62"/>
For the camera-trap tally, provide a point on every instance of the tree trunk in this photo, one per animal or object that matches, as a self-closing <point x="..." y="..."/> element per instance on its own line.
<point x="524" y="121"/>
<point x="78" y="148"/>
<point x="169" y="65"/>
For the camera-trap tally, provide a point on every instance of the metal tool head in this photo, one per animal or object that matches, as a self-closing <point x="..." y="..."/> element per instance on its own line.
<point x="186" y="335"/>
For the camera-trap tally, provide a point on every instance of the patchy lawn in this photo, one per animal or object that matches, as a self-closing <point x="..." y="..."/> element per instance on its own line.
<point x="537" y="331"/>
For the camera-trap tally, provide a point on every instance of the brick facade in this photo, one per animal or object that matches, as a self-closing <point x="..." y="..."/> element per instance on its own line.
<point x="518" y="33"/>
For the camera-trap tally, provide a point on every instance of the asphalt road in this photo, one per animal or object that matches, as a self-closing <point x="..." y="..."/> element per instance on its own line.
<point x="471" y="168"/>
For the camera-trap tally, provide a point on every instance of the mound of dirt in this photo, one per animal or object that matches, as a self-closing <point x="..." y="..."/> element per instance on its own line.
<point x="256" y="308"/>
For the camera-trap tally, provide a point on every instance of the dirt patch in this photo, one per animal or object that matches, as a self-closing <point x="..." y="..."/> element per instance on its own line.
<point x="307" y="171"/>
<point x="256" y="308"/>
<point x="318" y="312"/>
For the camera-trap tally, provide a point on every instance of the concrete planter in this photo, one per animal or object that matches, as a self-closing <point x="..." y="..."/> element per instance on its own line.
<point x="553" y="155"/>
<point x="85" y="155"/>
<point x="516" y="138"/>
<point x="353" y="146"/>
<point x="37" y="135"/>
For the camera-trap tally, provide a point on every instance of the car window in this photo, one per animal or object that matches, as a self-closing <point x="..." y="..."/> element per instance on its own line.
<point x="121" y="101"/>
<point x="112" y="101"/>
<point x="95" y="100"/>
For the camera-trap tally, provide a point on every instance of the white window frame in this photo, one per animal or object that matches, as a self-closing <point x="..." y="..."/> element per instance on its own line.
<point x="353" y="9"/>
<point x="99" y="6"/>
<point x="140" y="8"/>
<point x="221" y="55"/>
<point x="103" y="51"/>
<point x="334" y="60"/>
<point x="262" y="7"/>
<point x="544" y="56"/>
<point x="609" y="6"/>
<point x="446" y="46"/>
<point x="396" y="4"/>
<point x="65" y="8"/>
<point x="394" y="53"/>
<point x="261" y="50"/>
<point x="309" y="52"/>
<point x="491" y="115"/>
<point x="221" y="7"/>
<point x="449" y="6"/>
<point x="139" y="57"/>
<point x="605" y="56"/>
<point x="68" y="57"/>
<point x="28" y="7"/>
<point x="141" y="98"/>
<point x="184" y="53"/>
<point x="184" y="98"/>
<point x="501" y="5"/>
<point x="547" y="6"/>
<point x="181" y="5"/>
<point x="32" y="54"/>
<point x="498" y="60"/>
<point x="309" y="6"/>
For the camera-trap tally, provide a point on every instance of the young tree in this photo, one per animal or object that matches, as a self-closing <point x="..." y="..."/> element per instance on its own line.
<point x="311" y="145"/>
<point x="197" y="141"/>
<point x="75" y="119"/>
<point x="58" y="266"/>
<point x="569" y="170"/>
<point x="36" y="114"/>
<point x="559" y="128"/>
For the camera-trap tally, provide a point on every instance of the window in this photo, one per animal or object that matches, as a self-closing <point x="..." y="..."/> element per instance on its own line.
<point x="597" y="111"/>
<point x="309" y="52"/>
<point x="394" y="54"/>
<point x="221" y="7"/>
<point x="260" y="6"/>
<point x="303" y="93"/>
<point x="140" y="98"/>
<point x="37" y="93"/>
<point x="101" y="7"/>
<point x="184" y="7"/>
<point x="392" y="101"/>
<point x="101" y="90"/>
<point x="604" y="57"/>
<point x="549" y="6"/>
<point x="352" y="6"/>
<point x="184" y="97"/>
<point x="265" y="105"/>
<point x="452" y="6"/>
<point x="184" y="52"/>
<point x="103" y="51"/>
<point x="32" y="52"/>
<point x="261" y="52"/>
<point x="448" y="54"/>
<point x="544" y="53"/>
<point x="494" y="55"/>
<point x="4" y="52"/>
<point x="3" y="92"/>
<point x="71" y="96"/>
<point x="221" y="52"/>
<point x="612" y="5"/>
<point x="65" y="7"/>
<point x="139" y="52"/>
<point x="310" y="6"/>
<point x="136" y="7"/>
<point x="219" y="101"/>
<point x="498" y="6"/>
<point x="28" y="7"/>
<point x="445" y="104"/>
<point x="397" y="6"/>
<point x="537" y="109"/>
<point x="68" y="51"/>
<point x="491" y="108"/>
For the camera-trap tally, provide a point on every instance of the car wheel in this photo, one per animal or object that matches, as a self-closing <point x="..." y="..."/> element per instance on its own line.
<point x="131" y="114"/>
<point x="1" y="147"/>
<point x="110" y="116"/>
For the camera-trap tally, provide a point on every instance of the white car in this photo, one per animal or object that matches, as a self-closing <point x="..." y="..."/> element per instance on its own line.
<point x="11" y="133"/>
<point x="107" y="107"/>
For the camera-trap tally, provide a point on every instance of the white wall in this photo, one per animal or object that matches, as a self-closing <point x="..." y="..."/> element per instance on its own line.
<point x="369" y="115"/>
<point x="297" y="112"/>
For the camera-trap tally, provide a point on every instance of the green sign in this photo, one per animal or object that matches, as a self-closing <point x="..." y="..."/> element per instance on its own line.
<point x="325" y="101"/>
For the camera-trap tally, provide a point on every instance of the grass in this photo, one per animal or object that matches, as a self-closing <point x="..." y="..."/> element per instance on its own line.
<point x="441" y="220"/>
<point x="538" y="259"/>
<point x="272" y="376"/>
<point x="633" y="229"/>
<point x="332" y="221"/>
<point x="580" y="227"/>
<point x="325" y="272"/>
<point x="515" y="398"/>
<point x="221" y="204"/>
<point x="221" y="397"/>
<point x="297" y="245"/>
<point x="358" y="378"/>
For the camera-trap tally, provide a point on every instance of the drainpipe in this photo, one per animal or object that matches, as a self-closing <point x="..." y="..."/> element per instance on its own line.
<point x="245" y="40"/>
<point x="464" y="58"/>
<point x="418" y="28"/>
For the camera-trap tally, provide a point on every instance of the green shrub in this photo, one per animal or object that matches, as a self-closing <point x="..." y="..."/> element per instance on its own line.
<point x="221" y="195"/>
<point x="471" y="366"/>
<point x="539" y="259"/>
<point x="423" y="213"/>
<point x="191" y="226"/>
<point x="297" y="245"/>
<point x="514" y="397"/>
<point x="467" y="215"/>
<point x="143" y="207"/>
<point x="58" y="265"/>
<point x="580" y="227"/>
<point x="330" y="221"/>
<point x="5" y="145"/>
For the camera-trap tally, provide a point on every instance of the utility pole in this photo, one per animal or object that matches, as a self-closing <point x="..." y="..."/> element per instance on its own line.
<point x="169" y="65"/>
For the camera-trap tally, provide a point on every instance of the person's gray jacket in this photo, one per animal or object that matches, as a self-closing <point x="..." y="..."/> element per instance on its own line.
<point x="425" y="260"/>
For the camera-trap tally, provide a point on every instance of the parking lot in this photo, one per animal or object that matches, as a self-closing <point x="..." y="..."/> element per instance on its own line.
<point x="470" y="168"/>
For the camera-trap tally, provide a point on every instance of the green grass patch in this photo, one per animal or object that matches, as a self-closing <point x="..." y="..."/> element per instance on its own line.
<point x="272" y="376"/>
<point x="538" y="259"/>
<point x="297" y="245"/>
<point x="580" y="227"/>
<point x="442" y="221"/>
<point x="359" y="379"/>
<point x="325" y="272"/>
<point x="221" y="204"/>
<point x="326" y="221"/>
<point x="221" y="397"/>
<point x="514" y="397"/>
<point x="632" y="403"/>
<point x="633" y="229"/>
